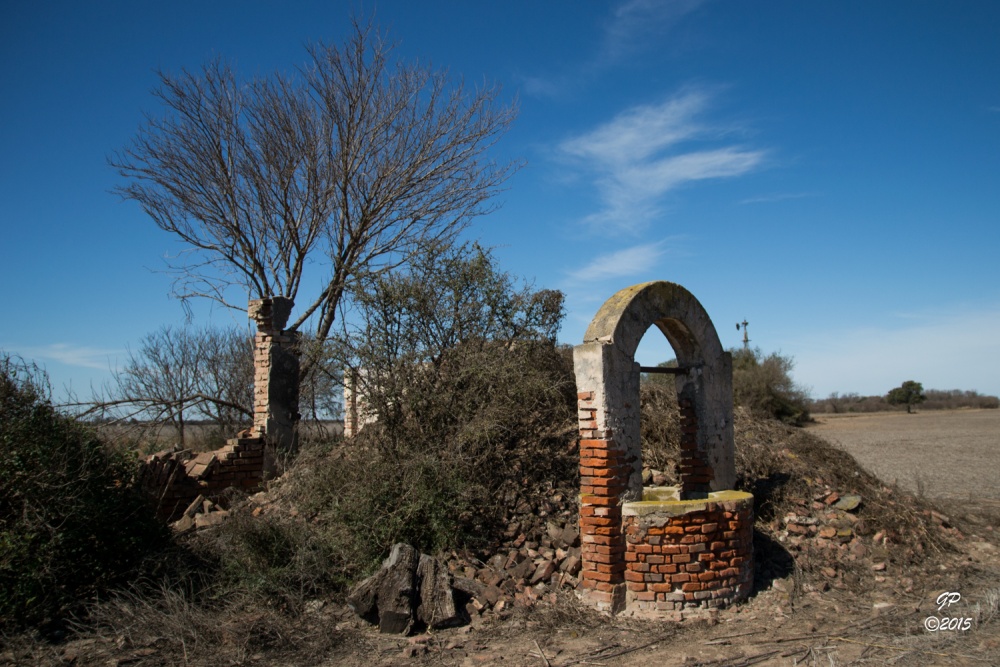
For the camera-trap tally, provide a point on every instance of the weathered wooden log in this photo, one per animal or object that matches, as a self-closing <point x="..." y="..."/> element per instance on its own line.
<point x="396" y="596"/>
<point x="437" y="600"/>
<point x="411" y="590"/>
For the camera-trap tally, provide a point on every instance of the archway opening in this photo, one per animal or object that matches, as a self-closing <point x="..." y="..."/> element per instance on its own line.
<point x="660" y="426"/>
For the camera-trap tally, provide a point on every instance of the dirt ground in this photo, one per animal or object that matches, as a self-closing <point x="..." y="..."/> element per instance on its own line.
<point x="782" y="625"/>
<point x="941" y="611"/>
<point x="953" y="454"/>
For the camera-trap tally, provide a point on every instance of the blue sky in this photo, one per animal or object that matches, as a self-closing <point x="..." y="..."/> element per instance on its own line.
<point x="828" y="171"/>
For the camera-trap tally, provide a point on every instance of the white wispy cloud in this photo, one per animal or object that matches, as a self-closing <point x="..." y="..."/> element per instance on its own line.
<point x="636" y="158"/>
<point x="637" y="24"/>
<point x="71" y="354"/>
<point x="620" y="264"/>
<point x="630" y="28"/>
<point x="783" y="196"/>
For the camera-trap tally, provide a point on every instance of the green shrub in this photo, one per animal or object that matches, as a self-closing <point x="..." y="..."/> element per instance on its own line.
<point x="71" y="525"/>
<point x="764" y="385"/>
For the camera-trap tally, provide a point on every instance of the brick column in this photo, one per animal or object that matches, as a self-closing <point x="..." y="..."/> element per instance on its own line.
<point x="696" y="473"/>
<point x="276" y="373"/>
<point x="604" y="474"/>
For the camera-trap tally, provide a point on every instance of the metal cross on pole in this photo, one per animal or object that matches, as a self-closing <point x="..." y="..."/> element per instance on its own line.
<point x="746" y="339"/>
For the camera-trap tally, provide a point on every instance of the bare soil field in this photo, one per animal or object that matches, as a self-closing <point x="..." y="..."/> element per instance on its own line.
<point x="944" y="454"/>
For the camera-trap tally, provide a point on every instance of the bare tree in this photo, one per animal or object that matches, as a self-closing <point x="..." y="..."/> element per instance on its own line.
<point x="180" y="374"/>
<point x="225" y="379"/>
<point x="354" y="159"/>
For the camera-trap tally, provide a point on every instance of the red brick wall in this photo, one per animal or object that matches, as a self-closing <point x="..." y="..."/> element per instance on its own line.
<point x="699" y="559"/>
<point x="695" y="472"/>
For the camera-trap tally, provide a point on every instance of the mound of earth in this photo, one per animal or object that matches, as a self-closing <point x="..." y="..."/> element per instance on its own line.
<point x="848" y="570"/>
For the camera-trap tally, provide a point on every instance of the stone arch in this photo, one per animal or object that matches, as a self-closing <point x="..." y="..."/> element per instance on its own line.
<point x="607" y="380"/>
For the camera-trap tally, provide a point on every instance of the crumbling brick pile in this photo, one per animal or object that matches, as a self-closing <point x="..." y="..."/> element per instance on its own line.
<point x="832" y="532"/>
<point x="537" y="555"/>
<point x="178" y="477"/>
<point x="201" y="513"/>
<point x="533" y="565"/>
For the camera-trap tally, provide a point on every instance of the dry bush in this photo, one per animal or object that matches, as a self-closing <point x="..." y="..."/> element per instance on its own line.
<point x="473" y="400"/>
<point x="476" y="418"/>
<point x="937" y="399"/>
<point x="476" y="441"/>
<point x="342" y="505"/>
<point x="71" y="523"/>
<point x="955" y="399"/>
<point x="176" y="626"/>
<point x="783" y="466"/>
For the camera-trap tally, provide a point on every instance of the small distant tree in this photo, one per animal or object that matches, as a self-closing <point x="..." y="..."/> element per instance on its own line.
<point x="909" y="393"/>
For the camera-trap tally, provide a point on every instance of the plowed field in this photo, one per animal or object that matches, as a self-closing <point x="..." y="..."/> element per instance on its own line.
<point x="953" y="454"/>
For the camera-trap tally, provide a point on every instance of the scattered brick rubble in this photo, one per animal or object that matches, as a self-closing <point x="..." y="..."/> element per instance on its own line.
<point x="829" y="534"/>
<point x="201" y="513"/>
<point x="539" y="555"/>
<point x="178" y="477"/>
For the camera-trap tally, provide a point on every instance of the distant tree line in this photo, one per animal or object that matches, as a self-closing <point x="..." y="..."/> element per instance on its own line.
<point x="936" y="399"/>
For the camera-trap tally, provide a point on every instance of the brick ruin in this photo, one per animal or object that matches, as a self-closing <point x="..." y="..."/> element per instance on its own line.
<point x="276" y="375"/>
<point x="668" y="553"/>
<point x="179" y="477"/>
